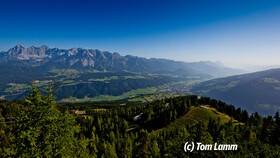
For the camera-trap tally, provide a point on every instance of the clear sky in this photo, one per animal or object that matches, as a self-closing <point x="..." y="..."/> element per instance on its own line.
<point x="235" y="32"/>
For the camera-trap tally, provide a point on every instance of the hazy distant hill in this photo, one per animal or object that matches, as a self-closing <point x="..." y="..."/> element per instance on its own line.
<point x="259" y="91"/>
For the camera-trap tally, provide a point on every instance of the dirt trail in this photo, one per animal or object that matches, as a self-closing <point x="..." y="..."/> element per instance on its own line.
<point x="176" y="124"/>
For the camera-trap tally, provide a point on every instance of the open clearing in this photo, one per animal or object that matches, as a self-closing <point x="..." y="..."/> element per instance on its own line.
<point x="200" y="114"/>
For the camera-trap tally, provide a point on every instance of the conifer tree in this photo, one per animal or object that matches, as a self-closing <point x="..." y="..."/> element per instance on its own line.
<point x="142" y="144"/>
<point x="155" y="151"/>
<point x="43" y="131"/>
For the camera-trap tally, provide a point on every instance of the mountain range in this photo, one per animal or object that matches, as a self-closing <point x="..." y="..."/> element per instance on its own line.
<point x="91" y="74"/>
<point x="93" y="59"/>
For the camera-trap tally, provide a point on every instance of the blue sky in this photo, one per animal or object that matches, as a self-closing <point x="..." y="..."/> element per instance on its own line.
<point x="235" y="32"/>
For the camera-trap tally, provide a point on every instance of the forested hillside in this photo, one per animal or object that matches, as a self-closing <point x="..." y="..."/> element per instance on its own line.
<point x="87" y="85"/>
<point x="38" y="126"/>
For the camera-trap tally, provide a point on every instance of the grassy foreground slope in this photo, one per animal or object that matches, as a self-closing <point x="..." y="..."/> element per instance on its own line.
<point x="201" y="114"/>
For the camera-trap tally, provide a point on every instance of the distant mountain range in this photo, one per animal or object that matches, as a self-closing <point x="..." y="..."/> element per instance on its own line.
<point x="47" y="58"/>
<point x="259" y="91"/>
<point x="90" y="73"/>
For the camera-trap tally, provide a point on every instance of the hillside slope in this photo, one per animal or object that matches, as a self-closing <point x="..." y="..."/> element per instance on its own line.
<point x="201" y="114"/>
<point x="259" y="91"/>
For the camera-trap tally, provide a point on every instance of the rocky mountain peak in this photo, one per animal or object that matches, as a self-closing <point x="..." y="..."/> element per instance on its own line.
<point x="19" y="46"/>
<point x="44" y="48"/>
